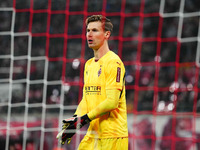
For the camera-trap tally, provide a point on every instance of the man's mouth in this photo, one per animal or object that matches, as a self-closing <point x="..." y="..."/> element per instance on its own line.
<point x="90" y="41"/>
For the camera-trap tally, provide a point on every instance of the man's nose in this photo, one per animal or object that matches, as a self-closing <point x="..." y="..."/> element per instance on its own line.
<point x="89" y="34"/>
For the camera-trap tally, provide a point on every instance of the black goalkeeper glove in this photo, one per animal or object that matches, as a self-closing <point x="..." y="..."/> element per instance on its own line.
<point x="69" y="127"/>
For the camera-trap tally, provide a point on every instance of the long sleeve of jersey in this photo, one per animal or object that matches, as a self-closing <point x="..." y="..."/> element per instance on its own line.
<point x="110" y="103"/>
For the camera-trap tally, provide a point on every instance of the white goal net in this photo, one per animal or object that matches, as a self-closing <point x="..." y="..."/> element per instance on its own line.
<point x="42" y="54"/>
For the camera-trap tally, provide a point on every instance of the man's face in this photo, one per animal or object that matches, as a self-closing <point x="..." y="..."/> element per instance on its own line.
<point x="95" y="35"/>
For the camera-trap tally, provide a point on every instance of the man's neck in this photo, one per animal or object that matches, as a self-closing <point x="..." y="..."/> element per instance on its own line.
<point x="100" y="52"/>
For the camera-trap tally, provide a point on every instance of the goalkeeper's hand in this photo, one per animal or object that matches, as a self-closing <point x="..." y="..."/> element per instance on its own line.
<point x="69" y="127"/>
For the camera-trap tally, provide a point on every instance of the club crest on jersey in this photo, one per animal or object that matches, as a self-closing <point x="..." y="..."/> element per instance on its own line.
<point x="99" y="72"/>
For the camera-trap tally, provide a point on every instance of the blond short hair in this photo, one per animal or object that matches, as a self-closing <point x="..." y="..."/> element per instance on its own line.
<point x="107" y="24"/>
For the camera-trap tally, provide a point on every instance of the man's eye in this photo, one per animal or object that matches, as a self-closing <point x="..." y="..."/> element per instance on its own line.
<point x="93" y="30"/>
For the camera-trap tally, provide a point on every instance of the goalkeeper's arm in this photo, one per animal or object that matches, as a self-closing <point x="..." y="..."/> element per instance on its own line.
<point x="71" y="124"/>
<point x="109" y="104"/>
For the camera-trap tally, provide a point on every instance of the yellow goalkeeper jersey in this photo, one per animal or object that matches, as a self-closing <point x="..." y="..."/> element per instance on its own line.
<point x="105" y="74"/>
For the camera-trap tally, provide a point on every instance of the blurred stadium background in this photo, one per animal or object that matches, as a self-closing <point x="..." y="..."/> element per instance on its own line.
<point x="42" y="54"/>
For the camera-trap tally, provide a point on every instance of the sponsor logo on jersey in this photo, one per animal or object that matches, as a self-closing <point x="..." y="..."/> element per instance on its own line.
<point x="93" y="90"/>
<point x="118" y="63"/>
<point x="118" y="74"/>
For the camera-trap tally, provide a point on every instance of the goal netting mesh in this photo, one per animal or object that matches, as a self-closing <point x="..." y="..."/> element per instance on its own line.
<point x="42" y="54"/>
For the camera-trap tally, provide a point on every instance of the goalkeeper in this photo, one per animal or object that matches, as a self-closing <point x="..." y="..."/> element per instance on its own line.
<point x="103" y="104"/>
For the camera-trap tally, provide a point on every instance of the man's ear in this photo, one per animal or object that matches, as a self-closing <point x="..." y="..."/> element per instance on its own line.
<point x="107" y="34"/>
